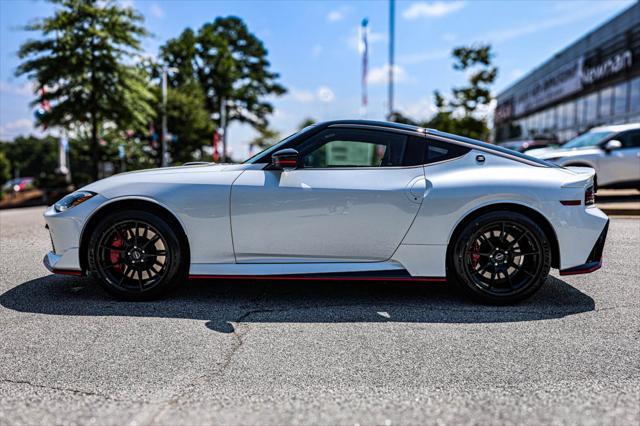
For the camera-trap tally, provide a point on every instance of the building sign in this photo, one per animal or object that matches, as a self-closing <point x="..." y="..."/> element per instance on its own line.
<point x="567" y="80"/>
<point x="607" y="68"/>
<point x="563" y="82"/>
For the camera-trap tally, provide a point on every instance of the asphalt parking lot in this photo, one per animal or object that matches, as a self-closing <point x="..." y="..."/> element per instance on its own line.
<point x="316" y="353"/>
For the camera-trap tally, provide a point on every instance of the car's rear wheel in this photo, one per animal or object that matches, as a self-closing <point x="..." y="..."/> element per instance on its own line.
<point x="136" y="255"/>
<point x="501" y="257"/>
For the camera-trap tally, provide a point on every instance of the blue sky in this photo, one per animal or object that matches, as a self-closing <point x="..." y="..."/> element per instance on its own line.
<point x="313" y="45"/>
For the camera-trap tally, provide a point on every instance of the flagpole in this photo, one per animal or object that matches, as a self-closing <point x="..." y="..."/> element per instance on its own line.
<point x="364" y="43"/>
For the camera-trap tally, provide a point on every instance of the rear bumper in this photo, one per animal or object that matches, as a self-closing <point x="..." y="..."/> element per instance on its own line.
<point x="594" y="261"/>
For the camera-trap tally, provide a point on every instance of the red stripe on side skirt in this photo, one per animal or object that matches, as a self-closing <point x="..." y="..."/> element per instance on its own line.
<point x="303" y="278"/>
<point x="67" y="272"/>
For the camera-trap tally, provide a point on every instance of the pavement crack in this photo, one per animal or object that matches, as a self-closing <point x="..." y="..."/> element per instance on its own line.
<point x="62" y="389"/>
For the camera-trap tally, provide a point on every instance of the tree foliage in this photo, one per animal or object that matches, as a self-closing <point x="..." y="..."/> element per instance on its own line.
<point x="462" y="113"/>
<point x="30" y="155"/>
<point x="230" y="63"/>
<point x="84" y="60"/>
<point x="188" y="121"/>
<point x="5" y="168"/>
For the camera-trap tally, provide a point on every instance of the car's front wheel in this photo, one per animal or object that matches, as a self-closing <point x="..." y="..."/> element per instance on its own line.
<point x="501" y="257"/>
<point x="136" y="255"/>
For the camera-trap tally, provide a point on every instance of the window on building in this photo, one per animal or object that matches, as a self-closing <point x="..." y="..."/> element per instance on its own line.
<point x="606" y="99"/>
<point x="620" y="99"/>
<point x="580" y="110"/>
<point x="634" y="95"/>
<point x="591" y="108"/>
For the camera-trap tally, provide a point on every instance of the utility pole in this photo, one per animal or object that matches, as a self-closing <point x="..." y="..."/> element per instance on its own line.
<point x="223" y="127"/>
<point x="392" y="34"/>
<point x="165" y="154"/>
<point x="164" y="116"/>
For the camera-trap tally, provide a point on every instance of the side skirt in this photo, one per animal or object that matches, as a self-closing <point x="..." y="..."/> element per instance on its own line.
<point x="391" y="275"/>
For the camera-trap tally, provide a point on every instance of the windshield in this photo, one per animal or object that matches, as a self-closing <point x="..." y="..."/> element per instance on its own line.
<point x="586" y="140"/>
<point x="273" y="148"/>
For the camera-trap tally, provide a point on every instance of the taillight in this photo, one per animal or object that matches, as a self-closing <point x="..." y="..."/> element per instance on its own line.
<point x="589" y="196"/>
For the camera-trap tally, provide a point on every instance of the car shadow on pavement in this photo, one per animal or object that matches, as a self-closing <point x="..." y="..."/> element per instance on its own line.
<point x="224" y="304"/>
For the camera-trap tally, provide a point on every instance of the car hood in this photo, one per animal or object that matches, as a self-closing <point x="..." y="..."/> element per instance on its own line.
<point x="165" y="175"/>
<point x="547" y="153"/>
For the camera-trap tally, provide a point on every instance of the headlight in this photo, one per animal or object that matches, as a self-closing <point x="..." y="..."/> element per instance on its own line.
<point x="72" y="200"/>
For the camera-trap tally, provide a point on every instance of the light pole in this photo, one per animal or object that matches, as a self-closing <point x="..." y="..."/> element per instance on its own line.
<point x="165" y="70"/>
<point x="392" y="34"/>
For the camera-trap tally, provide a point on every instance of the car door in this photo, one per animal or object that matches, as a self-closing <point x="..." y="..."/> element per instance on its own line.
<point x="623" y="164"/>
<point x="352" y="199"/>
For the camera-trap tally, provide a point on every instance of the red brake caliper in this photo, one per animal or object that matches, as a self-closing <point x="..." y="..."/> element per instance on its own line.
<point x="114" y="256"/>
<point x="475" y="254"/>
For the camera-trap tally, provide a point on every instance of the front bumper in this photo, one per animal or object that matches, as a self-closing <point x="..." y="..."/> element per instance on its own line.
<point x="51" y="259"/>
<point x="594" y="261"/>
<point x="65" y="229"/>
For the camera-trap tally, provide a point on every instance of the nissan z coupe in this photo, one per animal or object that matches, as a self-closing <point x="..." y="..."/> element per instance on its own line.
<point x="347" y="200"/>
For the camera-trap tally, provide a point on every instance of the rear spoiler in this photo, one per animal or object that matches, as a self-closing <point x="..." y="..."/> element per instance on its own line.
<point x="582" y="177"/>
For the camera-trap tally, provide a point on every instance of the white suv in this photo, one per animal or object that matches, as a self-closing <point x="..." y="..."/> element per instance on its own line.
<point x="613" y="151"/>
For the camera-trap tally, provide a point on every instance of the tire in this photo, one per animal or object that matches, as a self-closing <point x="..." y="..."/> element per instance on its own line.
<point x="501" y="258"/>
<point x="136" y="255"/>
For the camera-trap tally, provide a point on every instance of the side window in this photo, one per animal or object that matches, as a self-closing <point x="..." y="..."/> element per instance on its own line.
<point x="354" y="148"/>
<point x="440" y="151"/>
<point x="630" y="139"/>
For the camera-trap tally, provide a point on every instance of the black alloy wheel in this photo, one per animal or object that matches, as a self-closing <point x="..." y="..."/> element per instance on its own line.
<point x="135" y="255"/>
<point x="501" y="257"/>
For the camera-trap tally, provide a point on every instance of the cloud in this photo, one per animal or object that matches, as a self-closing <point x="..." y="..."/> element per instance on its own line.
<point x="420" y="109"/>
<point x="321" y="94"/>
<point x="338" y="14"/>
<point x="156" y="10"/>
<point x="25" y="89"/>
<point x="433" y="9"/>
<point x="303" y="96"/>
<point x="335" y="16"/>
<point x="325" y="94"/>
<point x="354" y="41"/>
<point x="16" y="128"/>
<point x="380" y="75"/>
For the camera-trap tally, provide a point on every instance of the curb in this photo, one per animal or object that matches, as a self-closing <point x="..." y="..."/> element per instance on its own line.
<point x="616" y="211"/>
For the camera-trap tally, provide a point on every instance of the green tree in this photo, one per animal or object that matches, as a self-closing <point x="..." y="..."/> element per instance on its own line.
<point x="188" y="122"/>
<point x="462" y="114"/>
<point x="5" y="168"/>
<point x="31" y="156"/>
<point x="84" y="60"/>
<point x="475" y="60"/>
<point x="230" y="64"/>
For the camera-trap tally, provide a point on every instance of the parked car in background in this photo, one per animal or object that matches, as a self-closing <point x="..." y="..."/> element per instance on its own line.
<point x="613" y="151"/>
<point x="21" y="192"/>
<point x="31" y="191"/>
<point x="527" y="144"/>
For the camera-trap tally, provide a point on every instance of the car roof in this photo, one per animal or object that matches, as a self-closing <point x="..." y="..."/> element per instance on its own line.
<point x="400" y="126"/>
<point x="616" y="128"/>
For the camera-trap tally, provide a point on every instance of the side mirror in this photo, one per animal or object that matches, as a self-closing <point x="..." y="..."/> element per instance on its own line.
<point x="612" y="145"/>
<point x="285" y="159"/>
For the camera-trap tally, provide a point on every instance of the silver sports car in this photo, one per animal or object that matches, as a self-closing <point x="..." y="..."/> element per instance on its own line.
<point x="339" y="200"/>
